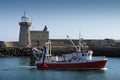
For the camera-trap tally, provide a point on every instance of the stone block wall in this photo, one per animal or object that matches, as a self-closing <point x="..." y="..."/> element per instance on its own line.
<point x="39" y="36"/>
<point x="8" y="44"/>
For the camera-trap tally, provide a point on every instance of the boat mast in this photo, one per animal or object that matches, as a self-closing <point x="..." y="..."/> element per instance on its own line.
<point x="80" y="45"/>
<point x="48" y="48"/>
<point x="43" y="54"/>
<point x="73" y="43"/>
<point x="48" y="51"/>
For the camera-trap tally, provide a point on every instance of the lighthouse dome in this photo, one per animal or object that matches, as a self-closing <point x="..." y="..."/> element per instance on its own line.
<point x="24" y="19"/>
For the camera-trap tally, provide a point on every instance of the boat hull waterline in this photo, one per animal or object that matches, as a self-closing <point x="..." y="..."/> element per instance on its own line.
<point x="82" y="65"/>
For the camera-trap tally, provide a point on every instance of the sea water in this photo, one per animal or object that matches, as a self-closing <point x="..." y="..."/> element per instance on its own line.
<point x="17" y="68"/>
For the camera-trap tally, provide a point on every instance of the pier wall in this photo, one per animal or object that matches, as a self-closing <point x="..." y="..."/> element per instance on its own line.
<point x="105" y="47"/>
<point x="92" y="43"/>
<point x="44" y="37"/>
<point x="8" y="44"/>
<point x="39" y="37"/>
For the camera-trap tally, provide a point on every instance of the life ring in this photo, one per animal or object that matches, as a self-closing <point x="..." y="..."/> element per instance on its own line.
<point x="74" y="57"/>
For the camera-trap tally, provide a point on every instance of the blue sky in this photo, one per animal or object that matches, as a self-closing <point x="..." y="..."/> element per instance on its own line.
<point x="93" y="19"/>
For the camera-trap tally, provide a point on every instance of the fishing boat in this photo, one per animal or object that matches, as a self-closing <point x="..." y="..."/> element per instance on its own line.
<point x="77" y="60"/>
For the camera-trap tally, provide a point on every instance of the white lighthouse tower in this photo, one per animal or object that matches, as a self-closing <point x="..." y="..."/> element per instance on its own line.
<point x="24" y="35"/>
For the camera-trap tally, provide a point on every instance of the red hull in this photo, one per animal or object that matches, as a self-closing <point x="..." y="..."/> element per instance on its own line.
<point x="84" y="65"/>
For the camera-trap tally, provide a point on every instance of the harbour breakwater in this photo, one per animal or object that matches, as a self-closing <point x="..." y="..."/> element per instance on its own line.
<point x="20" y="52"/>
<point x="108" y="52"/>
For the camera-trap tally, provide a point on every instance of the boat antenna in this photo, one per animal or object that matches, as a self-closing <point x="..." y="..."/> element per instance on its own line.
<point x="79" y="50"/>
<point x="73" y="43"/>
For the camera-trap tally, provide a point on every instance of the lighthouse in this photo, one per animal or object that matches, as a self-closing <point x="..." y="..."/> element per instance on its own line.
<point x="24" y="35"/>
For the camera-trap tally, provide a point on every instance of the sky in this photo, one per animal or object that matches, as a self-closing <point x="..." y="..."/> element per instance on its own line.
<point x="93" y="19"/>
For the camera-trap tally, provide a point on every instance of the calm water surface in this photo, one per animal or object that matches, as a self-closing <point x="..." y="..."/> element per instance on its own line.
<point x="16" y="68"/>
